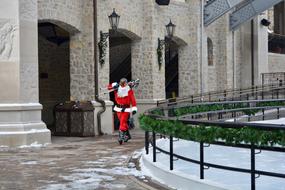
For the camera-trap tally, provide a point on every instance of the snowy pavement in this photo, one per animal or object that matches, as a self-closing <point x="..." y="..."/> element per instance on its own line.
<point x="72" y="163"/>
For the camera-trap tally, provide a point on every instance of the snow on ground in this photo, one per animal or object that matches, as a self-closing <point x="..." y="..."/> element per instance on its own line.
<point x="228" y="156"/>
<point x="30" y="162"/>
<point x="98" y="174"/>
<point x="260" y="113"/>
<point x="280" y="121"/>
<point x="34" y="145"/>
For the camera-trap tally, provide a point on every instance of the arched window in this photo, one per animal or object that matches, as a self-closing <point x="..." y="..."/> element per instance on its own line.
<point x="210" y="52"/>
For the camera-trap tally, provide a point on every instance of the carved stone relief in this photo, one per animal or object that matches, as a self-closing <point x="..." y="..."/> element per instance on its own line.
<point x="7" y="34"/>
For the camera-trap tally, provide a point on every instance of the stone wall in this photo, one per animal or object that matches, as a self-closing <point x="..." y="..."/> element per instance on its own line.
<point x="131" y="12"/>
<point x="185" y="17"/>
<point x="144" y="22"/>
<point x="220" y="74"/>
<point x="276" y="62"/>
<point x="147" y="21"/>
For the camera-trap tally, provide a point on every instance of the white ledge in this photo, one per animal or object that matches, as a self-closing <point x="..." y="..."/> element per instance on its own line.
<point x="20" y="107"/>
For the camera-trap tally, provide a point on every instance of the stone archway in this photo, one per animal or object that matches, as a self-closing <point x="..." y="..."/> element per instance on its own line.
<point x="79" y="25"/>
<point x="171" y="69"/>
<point x="122" y="54"/>
<point x="121" y="57"/>
<point x="54" y="66"/>
<point x="173" y="58"/>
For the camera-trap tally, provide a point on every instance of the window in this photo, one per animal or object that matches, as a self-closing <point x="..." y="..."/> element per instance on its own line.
<point x="279" y="14"/>
<point x="210" y="52"/>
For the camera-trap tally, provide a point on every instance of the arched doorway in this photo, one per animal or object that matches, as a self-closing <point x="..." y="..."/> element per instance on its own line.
<point x="120" y="58"/>
<point x="54" y="69"/>
<point x="171" y="69"/>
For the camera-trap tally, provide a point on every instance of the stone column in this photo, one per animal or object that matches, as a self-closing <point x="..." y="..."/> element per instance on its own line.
<point x="147" y="70"/>
<point x="260" y="45"/>
<point x="245" y="64"/>
<point x="260" y="49"/>
<point x="20" y="112"/>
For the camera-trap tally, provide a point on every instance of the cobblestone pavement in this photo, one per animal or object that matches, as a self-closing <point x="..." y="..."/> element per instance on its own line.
<point x="73" y="163"/>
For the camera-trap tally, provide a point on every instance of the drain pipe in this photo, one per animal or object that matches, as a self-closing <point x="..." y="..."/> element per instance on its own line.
<point x="96" y="72"/>
<point x="252" y="52"/>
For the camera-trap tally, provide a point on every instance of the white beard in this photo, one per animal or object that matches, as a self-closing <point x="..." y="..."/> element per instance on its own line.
<point x="123" y="91"/>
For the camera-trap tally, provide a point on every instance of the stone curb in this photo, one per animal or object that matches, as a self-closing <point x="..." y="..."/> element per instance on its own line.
<point x="142" y="184"/>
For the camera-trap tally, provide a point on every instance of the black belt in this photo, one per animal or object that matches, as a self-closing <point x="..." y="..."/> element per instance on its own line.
<point x="123" y="106"/>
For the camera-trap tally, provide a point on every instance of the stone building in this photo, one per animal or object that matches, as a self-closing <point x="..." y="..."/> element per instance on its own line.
<point x="47" y="55"/>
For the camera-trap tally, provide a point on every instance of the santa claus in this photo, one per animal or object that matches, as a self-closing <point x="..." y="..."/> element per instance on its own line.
<point x="125" y="104"/>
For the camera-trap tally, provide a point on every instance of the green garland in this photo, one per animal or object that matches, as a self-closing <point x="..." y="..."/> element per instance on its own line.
<point x="102" y="45"/>
<point x="210" y="134"/>
<point x="159" y="53"/>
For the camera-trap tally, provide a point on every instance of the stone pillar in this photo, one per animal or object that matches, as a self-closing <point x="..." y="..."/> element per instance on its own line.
<point x="20" y="112"/>
<point x="245" y="64"/>
<point x="260" y="49"/>
<point x="260" y="45"/>
<point x="152" y="79"/>
<point x="190" y="54"/>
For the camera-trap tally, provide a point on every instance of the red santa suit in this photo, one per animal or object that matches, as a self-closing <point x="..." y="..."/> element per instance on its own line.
<point x="126" y="103"/>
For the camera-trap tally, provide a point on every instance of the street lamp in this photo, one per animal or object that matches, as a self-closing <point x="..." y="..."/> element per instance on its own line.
<point x="170" y="29"/>
<point x="114" y="19"/>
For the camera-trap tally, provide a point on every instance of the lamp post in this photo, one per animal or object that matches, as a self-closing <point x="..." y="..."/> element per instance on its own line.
<point x="170" y="29"/>
<point x="114" y="19"/>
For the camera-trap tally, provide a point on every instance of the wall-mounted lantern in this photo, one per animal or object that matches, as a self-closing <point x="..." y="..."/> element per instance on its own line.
<point x="114" y="19"/>
<point x="162" y="2"/>
<point x="265" y="22"/>
<point x="170" y="29"/>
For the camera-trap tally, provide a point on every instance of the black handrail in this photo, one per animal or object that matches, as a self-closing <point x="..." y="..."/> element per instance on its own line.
<point x="203" y="164"/>
<point x="218" y="123"/>
<point x="253" y="91"/>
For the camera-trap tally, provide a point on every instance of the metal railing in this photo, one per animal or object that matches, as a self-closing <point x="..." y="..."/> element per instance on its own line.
<point x="270" y="91"/>
<point x="273" y="78"/>
<point x="204" y="119"/>
<point x="206" y="165"/>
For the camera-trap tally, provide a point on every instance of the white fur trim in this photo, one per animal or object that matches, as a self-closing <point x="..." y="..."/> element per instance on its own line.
<point x="126" y="110"/>
<point x="123" y="91"/>
<point x="114" y="84"/>
<point x="135" y="109"/>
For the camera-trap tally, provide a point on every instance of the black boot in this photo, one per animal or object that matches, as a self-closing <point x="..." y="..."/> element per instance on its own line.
<point x="121" y="137"/>
<point x="127" y="136"/>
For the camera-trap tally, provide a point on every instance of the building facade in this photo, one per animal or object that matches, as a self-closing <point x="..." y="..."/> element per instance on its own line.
<point x="47" y="55"/>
